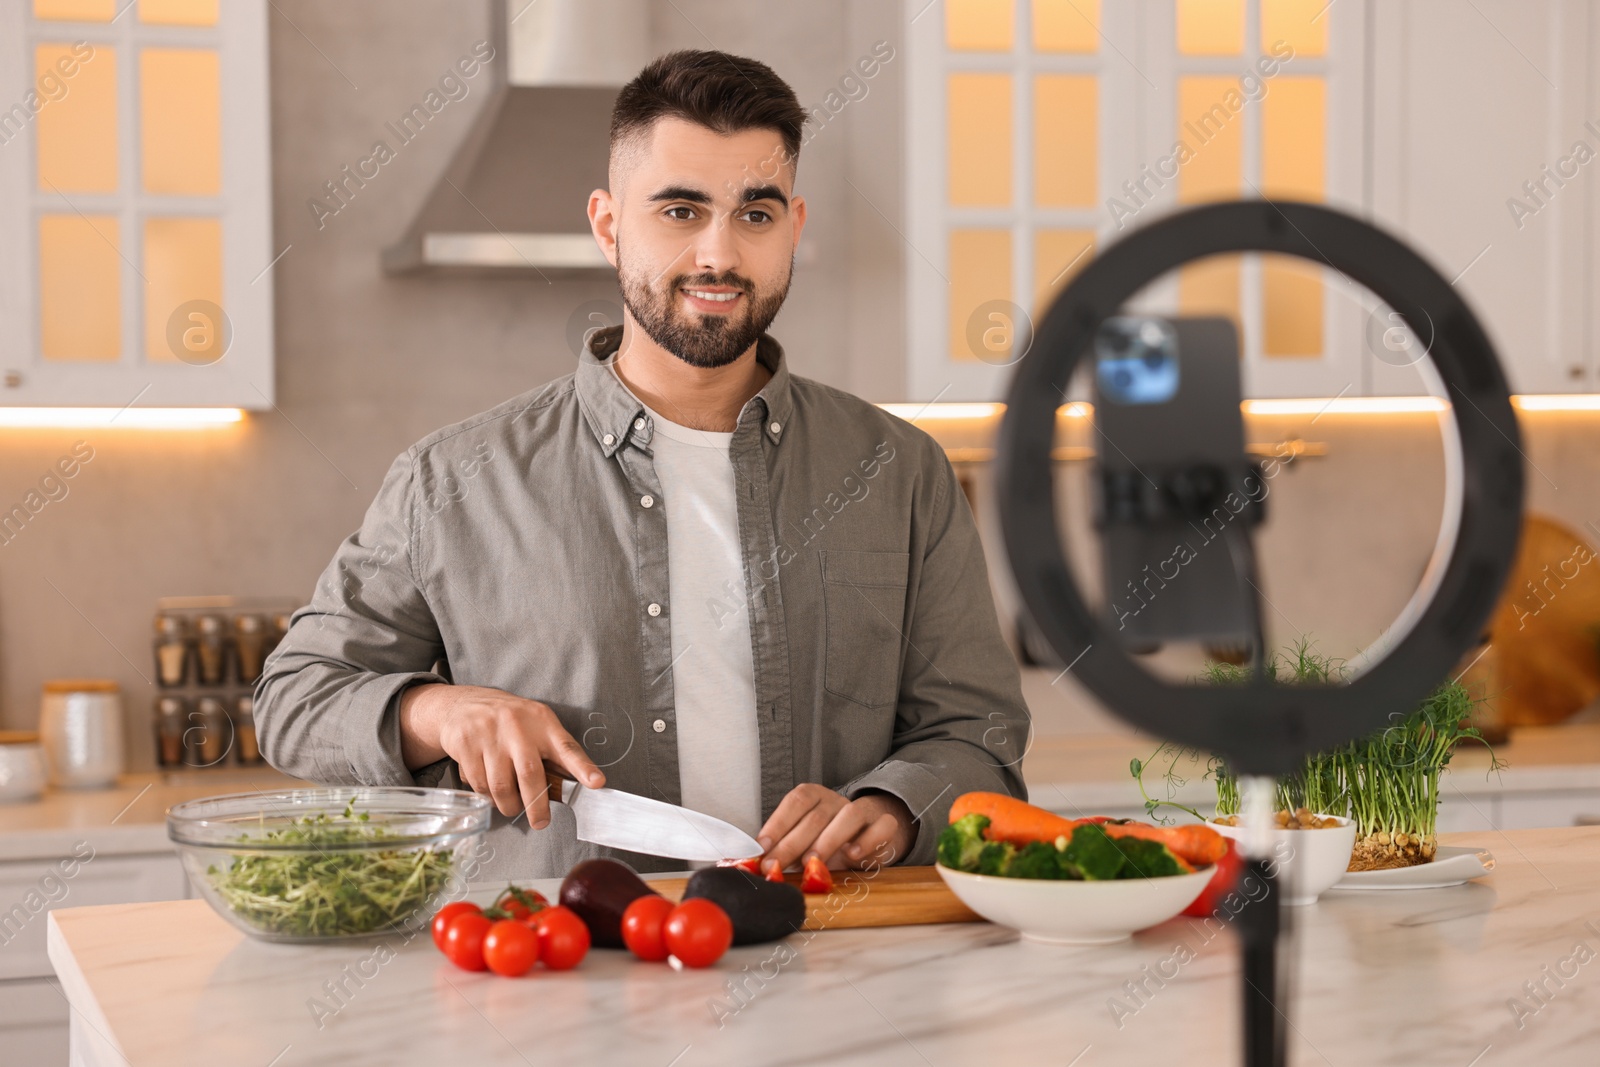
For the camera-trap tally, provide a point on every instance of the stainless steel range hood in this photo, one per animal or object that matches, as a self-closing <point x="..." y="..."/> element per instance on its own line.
<point x="513" y="198"/>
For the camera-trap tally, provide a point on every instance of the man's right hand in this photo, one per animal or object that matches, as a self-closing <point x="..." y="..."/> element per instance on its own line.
<point x="500" y="741"/>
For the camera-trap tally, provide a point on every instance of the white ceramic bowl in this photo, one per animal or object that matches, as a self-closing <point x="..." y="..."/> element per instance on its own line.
<point x="1309" y="861"/>
<point x="1076" y="913"/>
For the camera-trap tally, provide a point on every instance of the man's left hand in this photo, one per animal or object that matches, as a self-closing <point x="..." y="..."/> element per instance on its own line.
<point x="845" y="833"/>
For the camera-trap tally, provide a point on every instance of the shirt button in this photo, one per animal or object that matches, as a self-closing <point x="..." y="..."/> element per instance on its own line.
<point x="776" y="427"/>
<point x="609" y="439"/>
<point x="659" y="725"/>
<point x="647" y="501"/>
<point x="638" y="424"/>
<point x="653" y="610"/>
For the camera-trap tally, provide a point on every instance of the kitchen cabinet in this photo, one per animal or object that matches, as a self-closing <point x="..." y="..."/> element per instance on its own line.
<point x="1040" y="133"/>
<point x="1484" y="137"/>
<point x="34" y="1018"/>
<point x="135" y="200"/>
<point x="34" y="1014"/>
<point x="25" y="885"/>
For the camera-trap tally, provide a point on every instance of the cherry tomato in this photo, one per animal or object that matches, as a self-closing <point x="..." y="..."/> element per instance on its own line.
<point x="520" y="903"/>
<point x="442" y="917"/>
<point x="510" y="948"/>
<point x="774" y="872"/>
<point x="463" y="941"/>
<point x="1221" y="884"/>
<point x="815" y="876"/>
<point x="563" y="937"/>
<point x="642" y="927"/>
<point x="752" y="864"/>
<point x="698" y="932"/>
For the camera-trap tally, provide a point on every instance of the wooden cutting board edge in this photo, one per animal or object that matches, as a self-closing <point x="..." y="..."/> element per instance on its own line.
<point x="889" y="896"/>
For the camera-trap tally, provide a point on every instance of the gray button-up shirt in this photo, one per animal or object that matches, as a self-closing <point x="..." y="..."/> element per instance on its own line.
<point x="513" y="550"/>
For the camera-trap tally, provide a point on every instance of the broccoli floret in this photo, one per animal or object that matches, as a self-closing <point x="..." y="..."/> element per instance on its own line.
<point x="1037" y="860"/>
<point x="1147" y="859"/>
<point x="995" y="858"/>
<point x="961" y="841"/>
<point x="1092" y="854"/>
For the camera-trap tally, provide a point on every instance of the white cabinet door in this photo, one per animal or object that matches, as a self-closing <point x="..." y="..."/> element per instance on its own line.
<point x="33" y="1022"/>
<point x="1478" y="118"/>
<point x="30" y="888"/>
<point x="135" y="205"/>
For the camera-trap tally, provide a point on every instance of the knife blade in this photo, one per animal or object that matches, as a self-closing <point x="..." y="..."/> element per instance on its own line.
<point x="617" y="819"/>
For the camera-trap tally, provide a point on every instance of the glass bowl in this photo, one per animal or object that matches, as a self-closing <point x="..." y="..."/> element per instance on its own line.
<point x="320" y="865"/>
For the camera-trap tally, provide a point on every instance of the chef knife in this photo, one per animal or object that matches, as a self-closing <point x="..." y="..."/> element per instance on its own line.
<point x="641" y="824"/>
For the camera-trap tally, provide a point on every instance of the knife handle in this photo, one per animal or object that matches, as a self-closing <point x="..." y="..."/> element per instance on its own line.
<point x="554" y="777"/>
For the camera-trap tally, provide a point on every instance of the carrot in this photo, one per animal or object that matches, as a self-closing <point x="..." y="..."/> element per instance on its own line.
<point x="1020" y="823"/>
<point x="1199" y="845"/>
<point x="1011" y="819"/>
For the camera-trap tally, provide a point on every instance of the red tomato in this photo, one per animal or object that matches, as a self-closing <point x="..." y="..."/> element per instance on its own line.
<point x="510" y="948"/>
<point x="442" y="917"/>
<point x="642" y="927"/>
<point x="463" y="941"/>
<point x="1221" y="884"/>
<point x="815" y="876"/>
<point x="751" y="864"/>
<point x="520" y="903"/>
<point x="698" y="932"/>
<point x="563" y="937"/>
<point x="774" y="872"/>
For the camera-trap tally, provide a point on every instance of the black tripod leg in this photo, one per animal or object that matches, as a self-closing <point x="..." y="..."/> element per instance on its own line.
<point x="1265" y="1003"/>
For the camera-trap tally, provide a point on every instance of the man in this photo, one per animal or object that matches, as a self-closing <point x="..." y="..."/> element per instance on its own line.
<point x="680" y="571"/>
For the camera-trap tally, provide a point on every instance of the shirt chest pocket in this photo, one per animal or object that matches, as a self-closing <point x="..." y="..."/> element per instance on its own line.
<point x="864" y="599"/>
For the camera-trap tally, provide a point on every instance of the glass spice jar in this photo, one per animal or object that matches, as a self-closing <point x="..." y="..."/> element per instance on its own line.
<point x="211" y="648"/>
<point x="280" y="630"/>
<point x="171" y="720"/>
<point x="213" y="733"/>
<point x="250" y="641"/>
<point x="244" y="730"/>
<point x="172" y="649"/>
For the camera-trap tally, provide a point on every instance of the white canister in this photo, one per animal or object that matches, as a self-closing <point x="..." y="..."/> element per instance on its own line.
<point x="80" y="723"/>
<point x="21" y="766"/>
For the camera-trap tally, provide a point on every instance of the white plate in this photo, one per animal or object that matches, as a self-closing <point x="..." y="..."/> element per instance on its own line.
<point x="1452" y="865"/>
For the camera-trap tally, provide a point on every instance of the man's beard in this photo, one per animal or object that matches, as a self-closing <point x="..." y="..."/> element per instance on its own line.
<point x="713" y="340"/>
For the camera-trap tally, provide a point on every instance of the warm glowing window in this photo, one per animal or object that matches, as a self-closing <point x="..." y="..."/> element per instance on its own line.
<point x="1042" y="130"/>
<point x="1260" y="132"/>
<point x="1017" y="105"/>
<point x="101" y="273"/>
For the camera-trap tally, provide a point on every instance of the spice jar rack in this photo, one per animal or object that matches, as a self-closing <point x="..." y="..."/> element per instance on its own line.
<point x="208" y="654"/>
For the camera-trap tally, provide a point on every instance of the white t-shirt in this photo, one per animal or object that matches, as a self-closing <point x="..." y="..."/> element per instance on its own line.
<point x="713" y="672"/>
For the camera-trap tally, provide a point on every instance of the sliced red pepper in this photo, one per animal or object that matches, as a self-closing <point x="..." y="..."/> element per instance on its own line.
<point x="815" y="876"/>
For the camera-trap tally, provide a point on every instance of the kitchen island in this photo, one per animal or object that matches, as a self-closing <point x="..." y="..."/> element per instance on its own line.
<point x="1499" y="971"/>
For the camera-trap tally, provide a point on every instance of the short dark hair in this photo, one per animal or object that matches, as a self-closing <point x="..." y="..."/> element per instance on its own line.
<point x="719" y="91"/>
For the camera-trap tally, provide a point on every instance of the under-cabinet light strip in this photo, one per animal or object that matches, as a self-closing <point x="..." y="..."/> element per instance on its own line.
<point x="121" y="418"/>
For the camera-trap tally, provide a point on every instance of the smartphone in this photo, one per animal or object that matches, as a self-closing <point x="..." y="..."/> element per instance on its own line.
<point x="1174" y="483"/>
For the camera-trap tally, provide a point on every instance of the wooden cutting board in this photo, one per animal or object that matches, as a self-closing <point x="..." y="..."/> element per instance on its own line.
<point x="891" y="896"/>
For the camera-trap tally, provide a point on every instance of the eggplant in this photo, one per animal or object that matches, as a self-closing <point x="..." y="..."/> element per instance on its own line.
<point x="760" y="910"/>
<point x="600" y="890"/>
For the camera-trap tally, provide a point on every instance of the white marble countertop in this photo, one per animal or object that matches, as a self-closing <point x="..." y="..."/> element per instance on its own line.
<point x="1418" y="977"/>
<point x="127" y="818"/>
<point x="1076" y="774"/>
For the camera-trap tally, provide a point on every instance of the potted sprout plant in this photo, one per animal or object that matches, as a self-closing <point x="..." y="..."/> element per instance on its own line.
<point x="1388" y="782"/>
